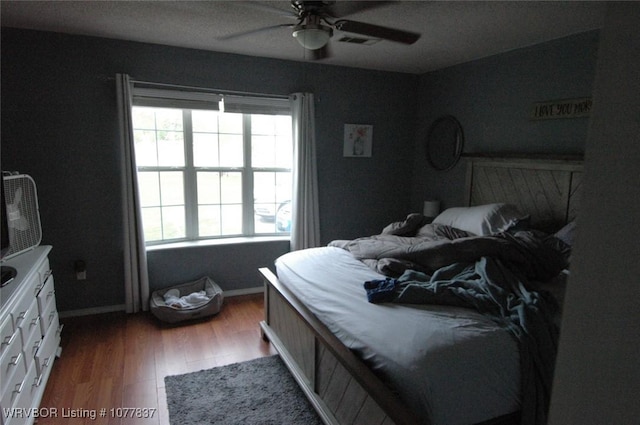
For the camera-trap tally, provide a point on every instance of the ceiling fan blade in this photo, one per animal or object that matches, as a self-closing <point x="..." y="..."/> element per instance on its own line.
<point x="251" y="32"/>
<point x="256" y="5"/>
<point x="338" y="9"/>
<point x="377" y="31"/>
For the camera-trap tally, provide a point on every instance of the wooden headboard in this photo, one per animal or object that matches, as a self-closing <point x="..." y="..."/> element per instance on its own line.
<point x="549" y="189"/>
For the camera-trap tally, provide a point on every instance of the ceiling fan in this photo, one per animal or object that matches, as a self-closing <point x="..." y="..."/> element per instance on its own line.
<point x="316" y="21"/>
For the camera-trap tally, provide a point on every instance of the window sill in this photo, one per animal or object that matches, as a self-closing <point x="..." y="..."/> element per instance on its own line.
<point x="217" y="242"/>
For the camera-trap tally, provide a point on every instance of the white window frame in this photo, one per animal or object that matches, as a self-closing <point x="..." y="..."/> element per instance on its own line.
<point x="187" y="100"/>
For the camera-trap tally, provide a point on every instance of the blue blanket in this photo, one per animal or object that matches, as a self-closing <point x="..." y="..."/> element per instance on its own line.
<point x="491" y="288"/>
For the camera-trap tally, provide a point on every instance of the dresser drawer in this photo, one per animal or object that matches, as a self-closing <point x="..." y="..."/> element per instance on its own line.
<point x="43" y="272"/>
<point x="31" y="332"/>
<point x="46" y="294"/>
<point x="13" y="370"/>
<point x="24" y="396"/>
<point x="47" y="315"/>
<point x="26" y="357"/>
<point x="14" y="386"/>
<point x="48" y="348"/>
<point x="6" y="332"/>
<point x="10" y="361"/>
<point x="22" y="306"/>
<point x="32" y="342"/>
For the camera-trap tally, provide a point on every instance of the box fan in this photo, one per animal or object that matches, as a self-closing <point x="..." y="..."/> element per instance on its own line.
<point x="23" y="216"/>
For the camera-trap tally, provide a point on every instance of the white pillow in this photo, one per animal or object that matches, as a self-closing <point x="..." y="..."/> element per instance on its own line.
<point x="482" y="220"/>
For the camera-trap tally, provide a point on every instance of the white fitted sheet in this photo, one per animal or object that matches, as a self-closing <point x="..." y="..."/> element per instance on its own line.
<point x="450" y="365"/>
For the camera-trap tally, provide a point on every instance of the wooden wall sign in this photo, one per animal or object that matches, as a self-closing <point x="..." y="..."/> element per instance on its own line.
<point x="565" y="108"/>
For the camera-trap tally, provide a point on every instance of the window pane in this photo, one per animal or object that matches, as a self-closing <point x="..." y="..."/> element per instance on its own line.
<point x="219" y="203"/>
<point x="231" y="150"/>
<point x="162" y="200"/>
<point x="283" y="125"/>
<point x="152" y="224"/>
<point x="172" y="188"/>
<point x="264" y="187"/>
<point x="144" y="118"/>
<point x="168" y="119"/>
<point x="209" y="220"/>
<point x="158" y="136"/>
<point x="231" y="219"/>
<point x="230" y="123"/>
<point x="262" y="225"/>
<point x="272" y="195"/>
<point x="283" y="217"/>
<point x="284" y="186"/>
<point x="149" y="186"/>
<point x="204" y="121"/>
<point x="263" y="124"/>
<point x="284" y="151"/>
<point x="170" y="148"/>
<point x="263" y="151"/>
<point x="208" y="188"/>
<point x="272" y="144"/>
<point x="205" y="150"/>
<point x="173" y="223"/>
<point x="146" y="148"/>
<point x="231" y="188"/>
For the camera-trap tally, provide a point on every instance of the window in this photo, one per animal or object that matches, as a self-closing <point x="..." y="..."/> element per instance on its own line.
<point x="204" y="173"/>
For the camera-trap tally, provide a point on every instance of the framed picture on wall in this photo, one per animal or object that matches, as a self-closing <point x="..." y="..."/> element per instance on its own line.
<point x="358" y="140"/>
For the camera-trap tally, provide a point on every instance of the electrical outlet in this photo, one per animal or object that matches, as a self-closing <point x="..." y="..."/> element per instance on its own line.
<point x="81" y="270"/>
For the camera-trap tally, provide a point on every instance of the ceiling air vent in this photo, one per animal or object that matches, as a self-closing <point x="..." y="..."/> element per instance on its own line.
<point x="359" y="40"/>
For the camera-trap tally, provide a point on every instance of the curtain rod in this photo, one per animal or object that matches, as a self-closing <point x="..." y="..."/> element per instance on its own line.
<point x="214" y="91"/>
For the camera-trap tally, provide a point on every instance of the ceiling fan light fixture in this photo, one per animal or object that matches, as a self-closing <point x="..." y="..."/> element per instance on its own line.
<point x="312" y="36"/>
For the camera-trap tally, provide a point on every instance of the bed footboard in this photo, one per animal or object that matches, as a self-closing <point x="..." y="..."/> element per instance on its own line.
<point x="340" y="387"/>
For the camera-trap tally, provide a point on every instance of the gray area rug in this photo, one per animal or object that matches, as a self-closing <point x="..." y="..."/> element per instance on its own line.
<point x="260" y="391"/>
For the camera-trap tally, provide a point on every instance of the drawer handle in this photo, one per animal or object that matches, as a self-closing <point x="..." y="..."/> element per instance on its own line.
<point x="15" y="359"/>
<point x="35" y="321"/>
<point x="19" y="387"/>
<point x="37" y="381"/>
<point x="21" y="317"/>
<point x="47" y="275"/>
<point x="9" y="340"/>
<point x="46" y="362"/>
<point x="59" y="331"/>
<point x="36" y="346"/>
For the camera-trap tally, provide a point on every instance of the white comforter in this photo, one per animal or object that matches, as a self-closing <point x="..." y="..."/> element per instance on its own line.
<point x="450" y="365"/>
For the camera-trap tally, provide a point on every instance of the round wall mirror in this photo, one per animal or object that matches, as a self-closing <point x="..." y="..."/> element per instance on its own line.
<point x="444" y="143"/>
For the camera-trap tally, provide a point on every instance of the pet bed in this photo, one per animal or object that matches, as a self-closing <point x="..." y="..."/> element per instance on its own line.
<point x="192" y="300"/>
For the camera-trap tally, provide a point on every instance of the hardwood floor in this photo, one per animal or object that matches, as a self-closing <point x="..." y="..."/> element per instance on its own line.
<point x="112" y="361"/>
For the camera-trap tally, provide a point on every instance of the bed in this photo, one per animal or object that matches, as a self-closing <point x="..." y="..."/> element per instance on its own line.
<point x="364" y="359"/>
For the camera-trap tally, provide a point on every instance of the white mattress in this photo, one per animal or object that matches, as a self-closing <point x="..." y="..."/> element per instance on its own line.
<point x="451" y="365"/>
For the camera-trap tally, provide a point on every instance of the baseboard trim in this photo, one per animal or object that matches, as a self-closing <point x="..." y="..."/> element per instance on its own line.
<point x="246" y="291"/>
<point x="91" y="311"/>
<point x="121" y="307"/>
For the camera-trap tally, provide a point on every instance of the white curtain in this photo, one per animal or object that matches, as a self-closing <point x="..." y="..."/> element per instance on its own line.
<point x="305" y="228"/>
<point x="136" y="277"/>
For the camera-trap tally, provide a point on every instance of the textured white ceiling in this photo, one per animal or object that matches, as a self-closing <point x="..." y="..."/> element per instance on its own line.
<point x="452" y="32"/>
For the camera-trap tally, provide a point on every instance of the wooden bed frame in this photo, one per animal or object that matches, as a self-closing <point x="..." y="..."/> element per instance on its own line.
<point x="340" y="386"/>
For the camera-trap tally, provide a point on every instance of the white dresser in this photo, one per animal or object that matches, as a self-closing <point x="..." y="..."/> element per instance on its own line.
<point x="29" y="335"/>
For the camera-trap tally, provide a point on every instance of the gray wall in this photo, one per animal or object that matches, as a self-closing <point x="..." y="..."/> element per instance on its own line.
<point x="59" y="124"/>
<point x="231" y="265"/>
<point x="492" y="99"/>
<point x="597" y="378"/>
